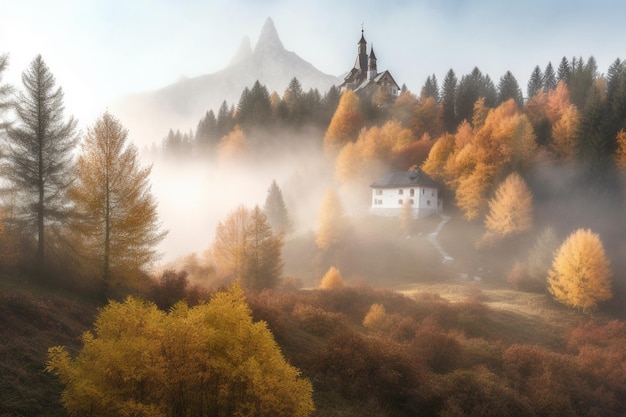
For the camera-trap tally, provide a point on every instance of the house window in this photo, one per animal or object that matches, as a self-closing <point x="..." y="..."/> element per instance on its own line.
<point x="423" y="189"/>
<point x="400" y="202"/>
<point x="432" y="194"/>
<point x="412" y="192"/>
<point x="400" y="191"/>
<point x="428" y="202"/>
<point x="412" y="201"/>
<point x="379" y="192"/>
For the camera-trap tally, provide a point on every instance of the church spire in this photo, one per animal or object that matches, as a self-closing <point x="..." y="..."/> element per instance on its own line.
<point x="361" y="59"/>
<point x="372" y="71"/>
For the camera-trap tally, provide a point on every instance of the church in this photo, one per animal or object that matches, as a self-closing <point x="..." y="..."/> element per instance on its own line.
<point x="364" y="79"/>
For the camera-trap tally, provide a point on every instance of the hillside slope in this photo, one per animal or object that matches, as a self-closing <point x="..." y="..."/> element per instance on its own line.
<point x="31" y="320"/>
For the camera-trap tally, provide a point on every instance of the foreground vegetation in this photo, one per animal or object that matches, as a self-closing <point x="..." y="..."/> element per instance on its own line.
<point x="477" y="349"/>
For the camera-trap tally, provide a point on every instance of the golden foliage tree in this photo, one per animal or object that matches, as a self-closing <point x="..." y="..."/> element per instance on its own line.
<point x="211" y="359"/>
<point x="580" y="276"/>
<point x="365" y="159"/>
<point x="330" y="219"/>
<point x="246" y="249"/>
<point x="332" y="279"/>
<point x="564" y="133"/>
<point x="376" y="317"/>
<point x="438" y="155"/>
<point x="346" y="122"/>
<point x="232" y="146"/>
<point x="511" y="210"/>
<point x="116" y="227"/>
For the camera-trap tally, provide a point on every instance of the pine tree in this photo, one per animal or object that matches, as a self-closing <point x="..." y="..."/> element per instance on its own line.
<point x="116" y="226"/>
<point x="535" y="83"/>
<point x="294" y="101"/>
<point x="38" y="160"/>
<point x="225" y="120"/>
<point x="276" y="210"/>
<point x="564" y="71"/>
<point x="580" y="274"/>
<point x="448" y="100"/>
<point x="549" y="78"/>
<point x="430" y="88"/>
<point x="509" y="88"/>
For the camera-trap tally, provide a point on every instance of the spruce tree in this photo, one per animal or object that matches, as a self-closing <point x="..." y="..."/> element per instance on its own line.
<point x="549" y="78"/>
<point x="564" y="71"/>
<point x="276" y="210"/>
<point x="38" y="161"/>
<point x="535" y="84"/>
<point x="5" y="92"/>
<point x="449" y="102"/>
<point x="508" y="88"/>
<point x="430" y="88"/>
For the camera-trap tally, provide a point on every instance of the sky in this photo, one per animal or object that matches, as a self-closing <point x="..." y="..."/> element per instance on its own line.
<point x="100" y="50"/>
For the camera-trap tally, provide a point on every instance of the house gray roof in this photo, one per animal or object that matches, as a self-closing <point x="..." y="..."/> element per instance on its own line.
<point x="415" y="178"/>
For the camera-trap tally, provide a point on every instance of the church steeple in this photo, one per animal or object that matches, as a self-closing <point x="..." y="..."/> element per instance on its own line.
<point x="372" y="71"/>
<point x="361" y="58"/>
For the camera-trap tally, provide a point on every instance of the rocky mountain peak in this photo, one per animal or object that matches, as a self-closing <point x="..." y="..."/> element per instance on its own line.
<point x="268" y="40"/>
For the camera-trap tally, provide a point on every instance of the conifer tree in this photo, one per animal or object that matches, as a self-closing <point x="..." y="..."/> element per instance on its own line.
<point x="276" y="210"/>
<point x="430" y="88"/>
<point x="535" y="83"/>
<point x="549" y="78"/>
<point x="564" y="71"/>
<point x="38" y="160"/>
<point x="448" y="100"/>
<point x="580" y="276"/>
<point x="509" y="88"/>
<point x="116" y="226"/>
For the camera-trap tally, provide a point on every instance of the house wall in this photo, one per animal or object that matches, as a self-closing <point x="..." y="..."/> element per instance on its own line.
<point x="388" y="202"/>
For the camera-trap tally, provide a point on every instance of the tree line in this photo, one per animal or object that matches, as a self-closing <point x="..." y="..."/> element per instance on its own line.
<point x="92" y="218"/>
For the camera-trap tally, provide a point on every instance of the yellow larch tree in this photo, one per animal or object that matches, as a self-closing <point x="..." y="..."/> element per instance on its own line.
<point x="510" y="211"/>
<point x="233" y="146"/>
<point x="564" y="133"/>
<point x="558" y="101"/>
<point x="116" y="227"/>
<point x="346" y="123"/>
<point x="438" y="155"/>
<point x="332" y="279"/>
<point x="580" y="276"/>
<point x="142" y="361"/>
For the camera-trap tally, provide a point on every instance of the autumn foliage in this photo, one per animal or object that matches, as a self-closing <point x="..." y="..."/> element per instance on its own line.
<point x="511" y="210"/>
<point x="580" y="274"/>
<point x="209" y="360"/>
<point x="346" y="122"/>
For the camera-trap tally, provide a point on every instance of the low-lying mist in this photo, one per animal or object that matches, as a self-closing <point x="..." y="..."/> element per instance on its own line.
<point x="196" y="193"/>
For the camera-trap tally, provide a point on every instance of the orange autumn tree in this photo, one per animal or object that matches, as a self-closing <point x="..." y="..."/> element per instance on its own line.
<point x="510" y="211"/>
<point x="366" y="158"/>
<point x="580" y="276"/>
<point x="346" y="122"/>
<point x="332" y="279"/>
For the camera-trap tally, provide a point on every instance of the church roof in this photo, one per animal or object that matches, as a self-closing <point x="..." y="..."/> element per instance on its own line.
<point x="415" y="178"/>
<point x="372" y="56"/>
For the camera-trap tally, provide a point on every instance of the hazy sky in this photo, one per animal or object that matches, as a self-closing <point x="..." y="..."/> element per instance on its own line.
<point x="100" y="49"/>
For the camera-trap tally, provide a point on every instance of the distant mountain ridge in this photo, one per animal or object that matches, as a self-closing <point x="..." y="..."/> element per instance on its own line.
<point x="180" y="105"/>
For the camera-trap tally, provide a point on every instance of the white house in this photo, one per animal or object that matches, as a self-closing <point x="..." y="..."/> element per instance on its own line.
<point x="393" y="191"/>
